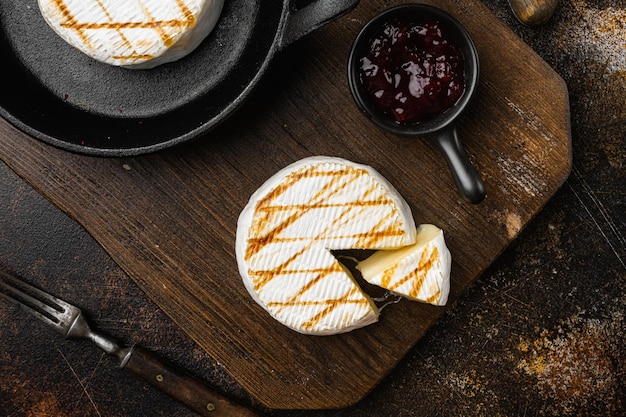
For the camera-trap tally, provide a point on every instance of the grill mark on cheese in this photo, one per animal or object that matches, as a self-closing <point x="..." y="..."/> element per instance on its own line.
<point x="154" y="24"/>
<point x="369" y="238"/>
<point x="167" y="39"/>
<point x="324" y="193"/>
<point x="434" y="297"/>
<point x="294" y="300"/>
<point x="307" y="172"/>
<point x="387" y="276"/>
<point x="268" y="275"/>
<point x="317" y="302"/>
<point x="125" y="40"/>
<point x="261" y="277"/>
<point x="361" y="237"/>
<point x="418" y="275"/>
<point x="373" y="237"/>
<point x="158" y="26"/>
<point x="259" y="238"/>
<point x="331" y="305"/>
<point x="67" y="14"/>
<point x="266" y="205"/>
<point x="272" y="209"/>
<point x="131" y="56"/>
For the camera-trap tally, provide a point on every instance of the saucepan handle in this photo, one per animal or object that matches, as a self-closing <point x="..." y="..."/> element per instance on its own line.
<point x="467" y="179"/>
<point x="302" y="21"/>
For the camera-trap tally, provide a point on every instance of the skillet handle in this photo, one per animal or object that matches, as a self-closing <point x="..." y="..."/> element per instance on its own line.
<point x="317" y="13"/>
<point x="467" y="179"/>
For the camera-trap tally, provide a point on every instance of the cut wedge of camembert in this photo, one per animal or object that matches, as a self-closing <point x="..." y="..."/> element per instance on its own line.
<point x="132" y="33"/>
<point x="287" y="231"/>
<point x="420" y="271"/>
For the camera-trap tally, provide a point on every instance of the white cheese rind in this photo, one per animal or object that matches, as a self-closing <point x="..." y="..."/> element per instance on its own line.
<point x="132" y="33"/>
<point x="292" y="222"/>
<point x="420" y="272"/>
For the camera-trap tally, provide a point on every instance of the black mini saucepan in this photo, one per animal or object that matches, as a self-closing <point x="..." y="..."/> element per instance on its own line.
<point x="64" y="98"/>
<point x="440" y="130"/>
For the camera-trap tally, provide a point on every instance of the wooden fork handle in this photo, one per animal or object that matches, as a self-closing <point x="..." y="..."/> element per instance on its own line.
<point x="187" y="390"/>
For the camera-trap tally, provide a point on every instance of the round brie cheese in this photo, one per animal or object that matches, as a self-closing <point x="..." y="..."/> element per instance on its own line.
<point x="287" y="230"/>
<point x="132" y="33"/>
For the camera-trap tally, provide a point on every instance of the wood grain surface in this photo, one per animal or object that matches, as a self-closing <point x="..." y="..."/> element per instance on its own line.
<point x="169" y="219"/>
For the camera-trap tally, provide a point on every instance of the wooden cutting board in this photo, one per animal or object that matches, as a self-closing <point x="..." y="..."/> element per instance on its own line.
<point x="169" y="219"/>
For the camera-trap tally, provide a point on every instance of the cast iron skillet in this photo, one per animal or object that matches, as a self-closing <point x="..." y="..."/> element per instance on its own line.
<point x="64" y="98"/>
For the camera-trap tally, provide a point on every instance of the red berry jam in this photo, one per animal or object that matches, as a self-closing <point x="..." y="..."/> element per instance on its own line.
<point x="412" y="70"/>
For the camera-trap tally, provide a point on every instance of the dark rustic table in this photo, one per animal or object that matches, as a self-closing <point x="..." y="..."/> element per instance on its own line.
<point x="541" y="332"/>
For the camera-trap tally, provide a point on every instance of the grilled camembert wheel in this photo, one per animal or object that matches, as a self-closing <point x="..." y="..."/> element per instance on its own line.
<point x="291" y="224"/>
<point x="132" y="33"/>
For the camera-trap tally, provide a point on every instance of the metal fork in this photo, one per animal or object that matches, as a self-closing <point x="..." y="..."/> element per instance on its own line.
<point x="72" y="324"/>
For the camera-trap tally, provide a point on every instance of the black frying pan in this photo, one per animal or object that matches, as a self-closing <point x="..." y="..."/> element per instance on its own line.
<point x="64" y="98"/>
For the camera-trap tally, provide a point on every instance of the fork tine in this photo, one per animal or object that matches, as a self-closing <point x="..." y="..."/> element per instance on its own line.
<point x="34" y="306"/>
<point x="41" y="307"/>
